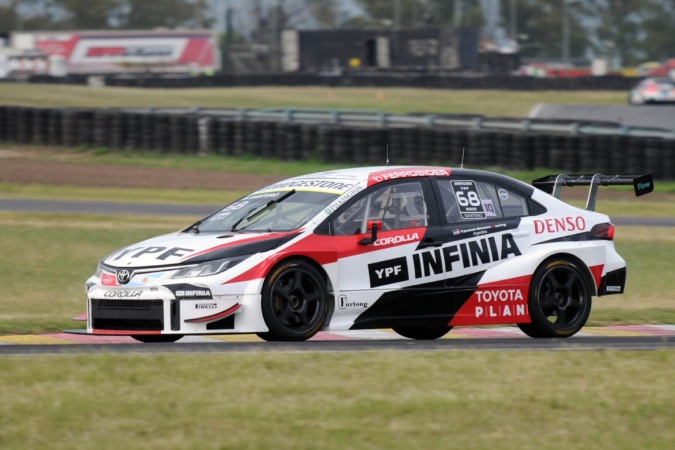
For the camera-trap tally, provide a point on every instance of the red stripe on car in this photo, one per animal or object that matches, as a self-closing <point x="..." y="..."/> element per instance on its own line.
<point x="124" y="332"/>
<point x="396" y="173"/>
<point x="597" y="274"/>
<point x="213" y="317"/>
<point x="500" y="302"/>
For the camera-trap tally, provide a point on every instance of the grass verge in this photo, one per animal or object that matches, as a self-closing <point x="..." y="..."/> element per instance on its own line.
<point x="214" y="163"/>
<point x="613" y="201"/>
<point x="48" y="257"/>
<point x="394" y="100"/>
<point x="393" y="400"/>
<point x="119" y="194"/>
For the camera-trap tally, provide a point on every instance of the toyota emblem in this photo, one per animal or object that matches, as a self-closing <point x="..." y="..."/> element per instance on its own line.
<point x="123" y="276"/>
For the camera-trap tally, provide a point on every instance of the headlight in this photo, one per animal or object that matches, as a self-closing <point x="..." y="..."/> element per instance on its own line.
<point x="209" y="268"/>
<point x="99" y="271"/>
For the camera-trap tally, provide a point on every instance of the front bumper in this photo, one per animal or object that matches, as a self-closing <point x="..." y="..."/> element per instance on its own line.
<point x="129" y="311"/>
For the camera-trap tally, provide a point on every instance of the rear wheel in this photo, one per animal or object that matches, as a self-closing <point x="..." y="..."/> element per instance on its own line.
<point x="560" y="300"/>
<point x="423" y="333"/>
<point x="295" y="302"/>
<point x="152" y="338"/>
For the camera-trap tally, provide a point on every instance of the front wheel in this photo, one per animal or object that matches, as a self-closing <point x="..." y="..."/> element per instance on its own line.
<point x="560" y="300"/>
<point x="423" y="333"/>
<point x="152" y="338"/>
<point x="295" y="302"/>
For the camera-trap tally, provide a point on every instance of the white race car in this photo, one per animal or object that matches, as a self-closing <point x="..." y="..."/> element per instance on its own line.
<point x="415" y="249"/>
<point x="653" y="90"/>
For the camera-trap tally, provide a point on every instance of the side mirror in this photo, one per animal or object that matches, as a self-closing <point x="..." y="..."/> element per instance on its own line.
<point x="373" y="226"/>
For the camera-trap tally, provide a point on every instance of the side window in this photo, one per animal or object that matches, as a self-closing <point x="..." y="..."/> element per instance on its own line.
<point x="513" y="205"/>
<point x="397" y="206"/>
<point x="470" y="200"/>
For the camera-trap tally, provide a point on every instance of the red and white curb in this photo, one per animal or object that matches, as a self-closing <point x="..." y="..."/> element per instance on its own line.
<point x="359" y="335"/>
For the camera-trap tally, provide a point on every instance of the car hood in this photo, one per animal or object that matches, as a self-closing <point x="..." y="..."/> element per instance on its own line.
<point x="188" y="248"/>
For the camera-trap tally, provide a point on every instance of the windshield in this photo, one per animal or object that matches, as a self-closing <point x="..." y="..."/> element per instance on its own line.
<point x="267" y="211"/>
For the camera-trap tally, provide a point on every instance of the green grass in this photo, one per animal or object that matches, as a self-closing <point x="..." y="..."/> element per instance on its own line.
<point x="393" y="400"/>
<point x="396" y="100"/>
<point x="214" y="163"/>
<point x="112" y="194"/>
<point x="52" y="255"/>
<point x="246" y="164"/>
<point x="608" y="203"/>
<point x="634" y="208"/>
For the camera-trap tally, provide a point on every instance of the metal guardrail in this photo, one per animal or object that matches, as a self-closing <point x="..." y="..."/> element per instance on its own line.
<point x="375" y="118"/>
<point x="291" y="134"/>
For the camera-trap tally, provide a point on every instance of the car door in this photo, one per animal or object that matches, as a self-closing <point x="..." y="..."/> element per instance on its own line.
<point x="406" y="215"/>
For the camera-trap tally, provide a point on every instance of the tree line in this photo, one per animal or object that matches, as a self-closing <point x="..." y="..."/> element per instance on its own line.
<point x="631" y="31"/>
<point x="65" y="15"/>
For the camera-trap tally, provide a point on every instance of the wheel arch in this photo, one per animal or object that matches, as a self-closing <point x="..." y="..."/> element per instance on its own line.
<point x="589" y="280"/>
<point x="533" y="259"/>
<point x="314" y="263"/>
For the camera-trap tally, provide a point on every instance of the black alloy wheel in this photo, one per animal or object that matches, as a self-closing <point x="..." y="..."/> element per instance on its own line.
<point x="295" y="302"/>
<point x="423" y="333"/>
<point x="560" y="300"/>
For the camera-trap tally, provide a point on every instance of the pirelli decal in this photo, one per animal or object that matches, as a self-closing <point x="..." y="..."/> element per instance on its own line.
<point x="447" y="259"/>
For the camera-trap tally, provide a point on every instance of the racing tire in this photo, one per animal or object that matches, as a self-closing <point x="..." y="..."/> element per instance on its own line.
<point x="560" y="300"/>
<point x="154" y="338"/>
<point x="423" y="333"/>
<point x="295" y="302"/>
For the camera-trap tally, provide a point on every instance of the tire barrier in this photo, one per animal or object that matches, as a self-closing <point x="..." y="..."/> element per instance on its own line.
<point x="161" y="131"/>
<point x="193" y="133"/>
<point x="101" y="133"/>
<point x="364" y="79"/>
<point x="353" y="79"/>
<point x="39" y="132"/>
<point x="54" y="120"/>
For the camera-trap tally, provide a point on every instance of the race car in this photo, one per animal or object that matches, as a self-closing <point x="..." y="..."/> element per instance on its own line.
<point x="415" y="249"/>
<point x="653" y="90"/>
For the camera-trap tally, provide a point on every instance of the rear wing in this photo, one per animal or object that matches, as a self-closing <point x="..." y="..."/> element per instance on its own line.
<point x="552" y="184"/>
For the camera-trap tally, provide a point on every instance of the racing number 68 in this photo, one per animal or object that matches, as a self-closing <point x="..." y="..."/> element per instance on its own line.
<point x="469" y="198"/>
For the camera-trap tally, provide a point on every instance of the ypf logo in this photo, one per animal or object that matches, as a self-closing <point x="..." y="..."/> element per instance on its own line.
<point x="388" y="272"/>
<point x="123" y="276"/>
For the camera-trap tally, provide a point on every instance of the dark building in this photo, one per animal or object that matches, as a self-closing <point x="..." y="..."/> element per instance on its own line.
<point x="410" y="49"/>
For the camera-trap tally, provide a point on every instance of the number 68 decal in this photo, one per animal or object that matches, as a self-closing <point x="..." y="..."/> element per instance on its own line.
<point x="468" y="199"/>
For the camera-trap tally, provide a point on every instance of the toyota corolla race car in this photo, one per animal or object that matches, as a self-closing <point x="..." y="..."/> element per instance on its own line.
<point x="415" y="249"/>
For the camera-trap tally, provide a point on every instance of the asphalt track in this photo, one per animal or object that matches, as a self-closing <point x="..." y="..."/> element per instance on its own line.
<point x="643" y="116"/>
<point x="150" y="209"/>
<point x="621" y="337"/>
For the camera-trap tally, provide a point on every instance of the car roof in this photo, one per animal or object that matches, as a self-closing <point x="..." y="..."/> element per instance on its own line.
<point x="379" y="174"/>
